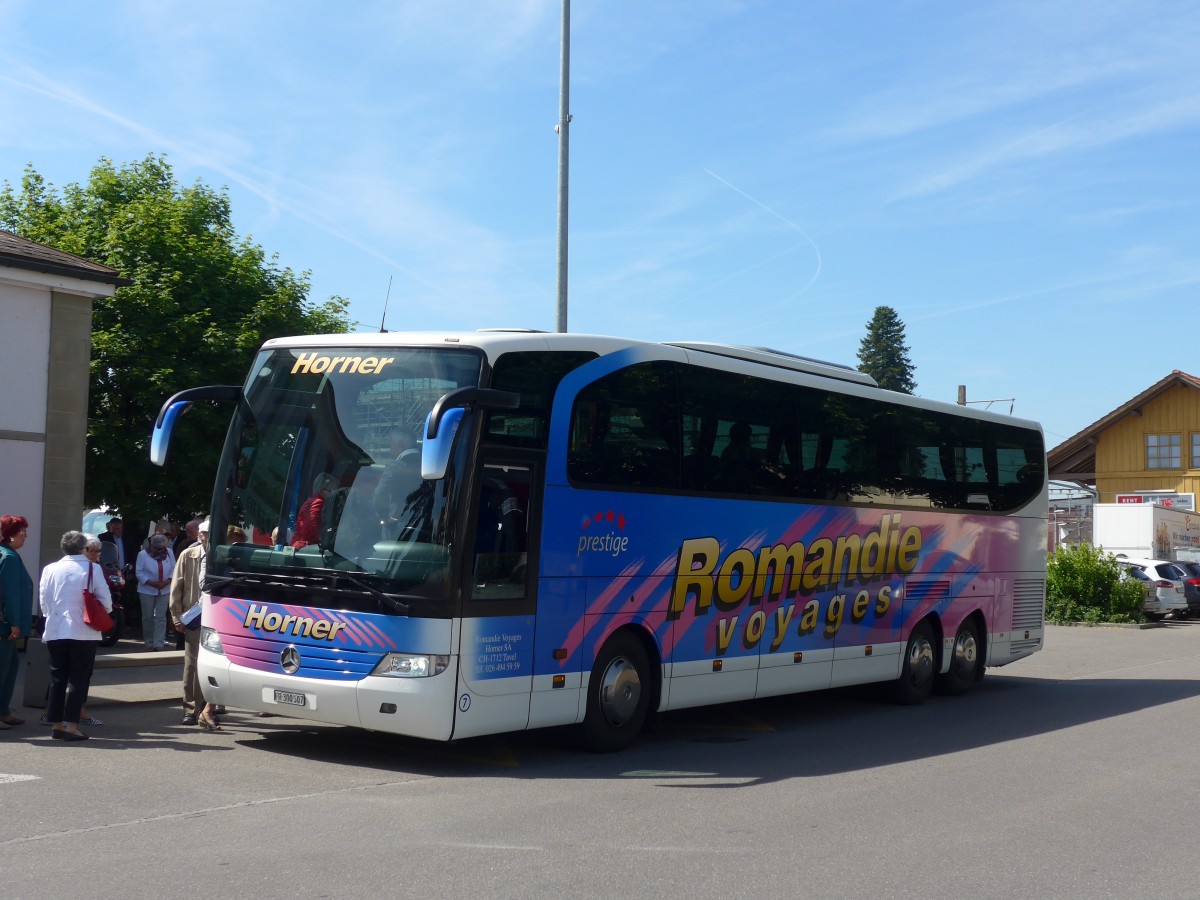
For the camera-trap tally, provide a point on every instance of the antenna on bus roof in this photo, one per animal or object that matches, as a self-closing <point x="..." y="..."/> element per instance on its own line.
<point x="386" y="297"/>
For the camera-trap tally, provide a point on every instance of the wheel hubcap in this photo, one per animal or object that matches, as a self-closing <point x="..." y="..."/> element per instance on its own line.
<point x="965" y="653"/>
<point x="920" y="660"/>
<point x="620" y="691"/>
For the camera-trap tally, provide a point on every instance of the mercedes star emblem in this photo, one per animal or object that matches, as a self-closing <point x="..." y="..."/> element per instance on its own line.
<point x="290" y="660"/>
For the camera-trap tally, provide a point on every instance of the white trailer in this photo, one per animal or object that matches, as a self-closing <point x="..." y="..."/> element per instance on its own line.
<point x="1147" y="530"/>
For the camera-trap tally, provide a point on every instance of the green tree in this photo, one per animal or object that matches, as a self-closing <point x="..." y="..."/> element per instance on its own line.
<point x="883" y="354"/>
<point x="199" y="303"/>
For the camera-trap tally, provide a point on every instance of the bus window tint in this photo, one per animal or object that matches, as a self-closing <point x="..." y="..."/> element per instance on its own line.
<point x="625" y="429"/>
<point x="738" y="435"/>
<point x="535" y="377"/>
<point x="501" y="534"/>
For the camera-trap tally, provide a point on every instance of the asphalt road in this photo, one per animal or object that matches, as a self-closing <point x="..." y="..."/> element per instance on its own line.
<point x="1069" y="774"/>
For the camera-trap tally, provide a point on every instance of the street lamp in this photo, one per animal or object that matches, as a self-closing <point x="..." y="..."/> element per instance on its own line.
<point x="563" y="130"/>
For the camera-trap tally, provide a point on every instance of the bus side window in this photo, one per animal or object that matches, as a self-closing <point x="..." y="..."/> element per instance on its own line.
<point x="699" y="463"/>
<point x="626" y="430"/>
<point x="501" y="534"/>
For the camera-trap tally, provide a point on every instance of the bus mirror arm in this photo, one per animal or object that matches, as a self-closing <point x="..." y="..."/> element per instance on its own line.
<point x="482" y="398"/>
<point x="176" y="405"/>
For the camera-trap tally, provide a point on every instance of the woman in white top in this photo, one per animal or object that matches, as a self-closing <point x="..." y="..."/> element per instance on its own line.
<point x="70" y="641"/>
<point x="155" y="565"/>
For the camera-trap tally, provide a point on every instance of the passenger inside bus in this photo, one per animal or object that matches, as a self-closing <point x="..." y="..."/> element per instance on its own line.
<point x="399" y="483"/>
<point x="308" y="517"/>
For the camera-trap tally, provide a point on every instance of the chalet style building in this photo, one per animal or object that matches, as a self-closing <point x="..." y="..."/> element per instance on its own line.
<point x="1148" y="443"/>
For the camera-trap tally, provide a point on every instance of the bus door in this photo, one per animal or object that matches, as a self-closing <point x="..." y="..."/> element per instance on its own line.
<point x="495" y="674"/>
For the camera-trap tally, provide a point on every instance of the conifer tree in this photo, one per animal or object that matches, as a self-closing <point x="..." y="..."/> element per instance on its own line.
<point x="883" y="354"/>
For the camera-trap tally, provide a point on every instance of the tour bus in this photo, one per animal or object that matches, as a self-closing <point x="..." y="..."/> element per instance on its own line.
<point x="446" y="535"/>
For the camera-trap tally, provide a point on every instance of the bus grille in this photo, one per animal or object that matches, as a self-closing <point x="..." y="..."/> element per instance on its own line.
<point x="1023" y="648"/>
<point x="1029" y="603"/>
<point x="927" y="590"/>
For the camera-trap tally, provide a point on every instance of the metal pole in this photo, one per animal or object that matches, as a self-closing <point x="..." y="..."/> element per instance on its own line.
<point x="563" y="129"/>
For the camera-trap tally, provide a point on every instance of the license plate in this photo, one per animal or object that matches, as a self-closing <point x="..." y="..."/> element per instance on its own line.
<point x="289" y="697"/>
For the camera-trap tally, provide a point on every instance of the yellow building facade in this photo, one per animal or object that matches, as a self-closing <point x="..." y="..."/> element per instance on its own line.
<point x="1149" y="443"/>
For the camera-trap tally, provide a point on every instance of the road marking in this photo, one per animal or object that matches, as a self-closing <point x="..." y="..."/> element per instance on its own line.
<point x="11" y="779"/>
<point x="192" y="813"/>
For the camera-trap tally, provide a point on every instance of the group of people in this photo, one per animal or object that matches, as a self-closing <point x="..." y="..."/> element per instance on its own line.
<point x="71" y="642"/>
<point x="151" y="573"/>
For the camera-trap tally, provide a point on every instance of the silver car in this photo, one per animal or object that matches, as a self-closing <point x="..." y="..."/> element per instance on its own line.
<point x="1166" y="579"/>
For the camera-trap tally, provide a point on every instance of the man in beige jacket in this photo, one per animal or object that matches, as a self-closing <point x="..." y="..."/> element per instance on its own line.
<point x="185" y="593"/>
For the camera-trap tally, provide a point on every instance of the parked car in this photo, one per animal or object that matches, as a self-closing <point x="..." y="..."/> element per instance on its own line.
<point x="1133" y="573"/>
<point x="95" y="521"/>
<point x="1167" y="579"/>
<point x="1191" y="585"/>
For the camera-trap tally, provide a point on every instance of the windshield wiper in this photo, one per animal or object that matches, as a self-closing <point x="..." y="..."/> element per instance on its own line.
<point x="307" y="579"/>
<point x="216" y="582"/>
<point x="385" y="600"/>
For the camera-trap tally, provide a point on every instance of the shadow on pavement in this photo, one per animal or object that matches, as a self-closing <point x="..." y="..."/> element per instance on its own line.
<point x="798" y="736"/>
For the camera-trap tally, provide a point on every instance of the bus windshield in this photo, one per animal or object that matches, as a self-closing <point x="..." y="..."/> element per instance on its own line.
<point x="319" y="499"/>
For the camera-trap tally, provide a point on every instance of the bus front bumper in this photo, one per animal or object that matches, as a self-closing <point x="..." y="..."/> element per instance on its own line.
<point x="418" y="707"/>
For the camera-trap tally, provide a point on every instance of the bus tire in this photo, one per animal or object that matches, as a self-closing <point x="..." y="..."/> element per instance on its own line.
<point x="920" y="667"/>
<point x="965" y="658"/>
<point x="618" y="695"/>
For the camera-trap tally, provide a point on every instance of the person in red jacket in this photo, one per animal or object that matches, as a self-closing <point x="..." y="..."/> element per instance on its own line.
<point x="308" y="518"/>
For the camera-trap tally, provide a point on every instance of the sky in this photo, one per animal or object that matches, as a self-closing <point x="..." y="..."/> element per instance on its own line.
<point x="1019" y="181"/>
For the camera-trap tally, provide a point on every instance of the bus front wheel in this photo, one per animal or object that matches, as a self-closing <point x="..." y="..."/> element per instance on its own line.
<point x="920" y="667"/>
<point x="618" y="695"/>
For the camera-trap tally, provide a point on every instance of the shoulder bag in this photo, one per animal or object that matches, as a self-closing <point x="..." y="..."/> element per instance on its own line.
<point x="94" y="614"/>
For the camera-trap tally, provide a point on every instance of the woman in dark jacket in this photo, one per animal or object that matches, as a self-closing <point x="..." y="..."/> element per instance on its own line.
<point x="16" y="610"/>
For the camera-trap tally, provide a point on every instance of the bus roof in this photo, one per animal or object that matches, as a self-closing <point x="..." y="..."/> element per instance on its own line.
<point x="496" y="341"/>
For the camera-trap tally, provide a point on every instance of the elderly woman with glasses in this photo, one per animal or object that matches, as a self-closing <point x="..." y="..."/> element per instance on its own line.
<point x="16" y="610"/>
<point x="92" y="551"/>
<point x="155" y="565"/>
<point x="70" y="641"/>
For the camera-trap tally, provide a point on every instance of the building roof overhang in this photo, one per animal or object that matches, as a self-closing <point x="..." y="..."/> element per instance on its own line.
<point x="17" y="252"/>
<point x="1075" y="458"/>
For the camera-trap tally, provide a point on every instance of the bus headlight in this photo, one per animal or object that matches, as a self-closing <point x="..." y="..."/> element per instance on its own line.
<point x="210" y="640"/>
<point x="411" y="665"/>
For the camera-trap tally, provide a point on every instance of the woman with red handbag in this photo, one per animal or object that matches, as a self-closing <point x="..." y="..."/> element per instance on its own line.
<point x="69" y="639"/>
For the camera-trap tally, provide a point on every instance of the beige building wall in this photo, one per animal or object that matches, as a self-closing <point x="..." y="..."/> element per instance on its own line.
<point x="66" y="415"/>
<point x="24" y="350"/>
<point x="45" y="354"/>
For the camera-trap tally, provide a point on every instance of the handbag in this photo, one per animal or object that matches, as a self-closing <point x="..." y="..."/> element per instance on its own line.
<point x="94" y="614"/>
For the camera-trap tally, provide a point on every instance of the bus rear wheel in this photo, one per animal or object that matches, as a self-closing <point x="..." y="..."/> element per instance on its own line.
<point x="920" y="667"/>
<point x="964" y="661"/>
<point x="618" y="695"/>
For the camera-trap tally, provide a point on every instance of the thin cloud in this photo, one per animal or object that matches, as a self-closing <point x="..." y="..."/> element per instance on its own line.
<point x="200" y="156"/>
<point x="1074" y="134"/>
